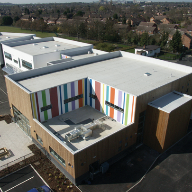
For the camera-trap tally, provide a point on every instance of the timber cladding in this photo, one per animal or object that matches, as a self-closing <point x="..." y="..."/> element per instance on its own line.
<point x="163" y="129"/>
<point x="19" y="98"/>
<point x="155" y="128"/>
<point x="49" y="141"/>
<point x="104" y="149"/>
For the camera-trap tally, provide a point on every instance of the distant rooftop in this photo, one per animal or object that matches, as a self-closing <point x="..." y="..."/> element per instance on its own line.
<point x="46" y="45"/>
<point x="101" y="127"/>
<point x="4" y="36"/>
<point x="170" y="101"/>
<point x="124" y="73"/>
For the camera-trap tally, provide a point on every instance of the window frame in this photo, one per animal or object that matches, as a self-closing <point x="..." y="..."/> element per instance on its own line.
<point x="57" y="156"/>
<point x="8" y="55"/>
<point x="39" y="139"/>
<point x="24" y="64"/>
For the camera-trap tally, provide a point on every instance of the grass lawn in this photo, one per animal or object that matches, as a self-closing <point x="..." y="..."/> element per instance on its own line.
<point x="130" y="50"/>
<point x="167" y="56"/>
<point x="19" y="30"/>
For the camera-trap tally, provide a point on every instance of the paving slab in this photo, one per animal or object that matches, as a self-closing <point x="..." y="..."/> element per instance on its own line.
<point x="15" y="140"/>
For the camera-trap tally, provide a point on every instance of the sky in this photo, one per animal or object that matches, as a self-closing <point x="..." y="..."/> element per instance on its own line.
<point x="43" y="1"/>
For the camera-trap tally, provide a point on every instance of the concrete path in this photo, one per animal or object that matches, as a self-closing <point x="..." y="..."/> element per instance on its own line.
<point x="15" y="140"/>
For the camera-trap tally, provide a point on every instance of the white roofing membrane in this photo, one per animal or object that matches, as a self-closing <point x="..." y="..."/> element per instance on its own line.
<point x="123" y="73"/>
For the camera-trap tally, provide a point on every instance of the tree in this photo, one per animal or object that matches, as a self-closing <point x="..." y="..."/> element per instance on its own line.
<point x="144" y="39"/>
<point x="16" y="18"/>
<point x="115" y="16"/>
<point x="176" y="43"/>
<point x="80" y="13"/>
<point x="164" y="39"/>
<point x="26" y="11"/>
<point x="7" y="20"/>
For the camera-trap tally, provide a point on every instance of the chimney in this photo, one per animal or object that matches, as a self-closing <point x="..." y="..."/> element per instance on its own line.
<point x="144" y="47"/>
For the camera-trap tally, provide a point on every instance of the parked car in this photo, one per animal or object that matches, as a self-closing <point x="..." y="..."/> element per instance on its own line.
<point x="43" y="188"/>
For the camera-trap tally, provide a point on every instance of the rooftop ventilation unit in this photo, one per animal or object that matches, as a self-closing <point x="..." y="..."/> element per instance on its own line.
<point x="57" y="45"/>
<point x="7" y="37"/>
<point x="44" y="47"/>
<point x="147" y="74"/>
<point x="56" y="50"/>
<point x="34" y="44"/>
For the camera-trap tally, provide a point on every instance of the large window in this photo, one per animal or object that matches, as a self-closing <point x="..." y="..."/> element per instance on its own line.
<point x="39" y="139"/>
<point x="8" y="56"/>
<point x="114" y="106"/>
<point x="60" y="159"/>
<point x="26" y="64"/>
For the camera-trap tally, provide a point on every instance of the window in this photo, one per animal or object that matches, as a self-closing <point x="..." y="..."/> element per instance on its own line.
<point x="73" y="98"/>
<point x="15" y="61"/>
<point x="8" y="56"/>
<point x="92" y="96"/>
<point x="9" y="66"/>
<point x="39" y="139"/>
<point x="26" y="64"/>
<point x="60" y="159"/>
<point x="114" y="106"/>
<point x="46" y="108"/>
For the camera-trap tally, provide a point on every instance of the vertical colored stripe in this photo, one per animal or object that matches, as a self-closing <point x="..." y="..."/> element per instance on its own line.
<point x="90" y="92"/>
<point x="73" y="94"/>
<point x="86" y="91"/>
<point x="61" y="100"/>
<point x="80" y="91"/>
<point x="37" y="103"/>
<point x="107" y="99"/>
<point x="44" y="104"/>
<point x="65" y="97"/>
<point x="97" y="93"/>
<point x="103" y="98"/>
<point x="119" y="105"/>
<point x="54" y="101"/>
<point x="123" y="107"/>
<point x="112" y="100"/>
<point x="34" y="107"/>
<point x="132" y="110"/>
<point x="126" y="109"/>
<point x="83" y="85"/>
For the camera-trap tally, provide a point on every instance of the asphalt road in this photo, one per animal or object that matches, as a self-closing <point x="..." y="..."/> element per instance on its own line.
<point x="21" y="181"/>
<point x="4" y="104"/>
<point x="172" y="172"/>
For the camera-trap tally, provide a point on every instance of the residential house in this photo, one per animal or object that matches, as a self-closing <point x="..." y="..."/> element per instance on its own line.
<point x="187" y="40"/>
<point x="149" y="50"/>
<point x="150" y="30"/>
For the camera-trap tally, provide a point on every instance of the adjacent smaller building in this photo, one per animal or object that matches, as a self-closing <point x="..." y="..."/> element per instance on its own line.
<point x="149" y="50"/>
<point x="173" y="112"/>
<point x="32" y="54"/>
<point x="12" y="37"/>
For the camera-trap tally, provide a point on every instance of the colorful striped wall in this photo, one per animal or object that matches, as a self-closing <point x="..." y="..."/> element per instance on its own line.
<point x="119" y="98"/>
<point x="56" y="97"/>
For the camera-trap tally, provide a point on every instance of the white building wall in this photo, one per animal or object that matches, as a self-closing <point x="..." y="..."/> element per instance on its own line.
<point x="18" y="56"/>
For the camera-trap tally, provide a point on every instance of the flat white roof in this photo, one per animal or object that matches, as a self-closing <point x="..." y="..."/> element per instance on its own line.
<point x="123" y="73"/>
<point x="64" y="124"/>
<point x="4" y="36"/>
<point x="170" y="101"/>
<point x="44" y="47"/>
